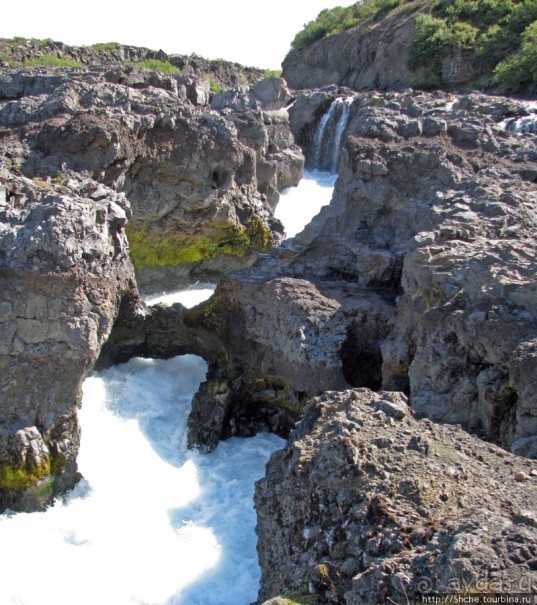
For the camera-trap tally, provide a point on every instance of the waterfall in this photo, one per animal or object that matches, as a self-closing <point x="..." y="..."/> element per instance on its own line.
<point x="525" y="125"/>
<point x="319" y="134"/>
<point x="329" y="135"/>
<point x="341" y="126"/>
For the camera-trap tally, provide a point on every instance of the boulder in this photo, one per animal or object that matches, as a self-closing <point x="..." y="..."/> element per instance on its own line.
<point x="364" y="507"/>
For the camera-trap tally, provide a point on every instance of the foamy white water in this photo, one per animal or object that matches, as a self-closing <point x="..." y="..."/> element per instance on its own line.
<point x="151" y="523"/>
<point x="298" y="205"/>
<point x="189" y="298"/>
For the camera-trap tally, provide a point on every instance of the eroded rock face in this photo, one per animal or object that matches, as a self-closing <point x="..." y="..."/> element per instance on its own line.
<point x="431" y="227"/>
<point x="362" y="58"/>
<point x="285" y="339"/>
<point x="202" y="185"/>
<point x="436" y="199"/>
<point x="366" y="504"/>
<point x="64" y="268"/>
<point x="114" y="56"/>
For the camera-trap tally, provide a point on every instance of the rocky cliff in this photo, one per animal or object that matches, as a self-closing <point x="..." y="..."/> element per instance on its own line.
<point x="418" y="275"/>
<point x="390" y="45"/>
<point x="104" y="166"/>
<point x="202" y="184"/>
<point x="368" y="56"/>
<point x="21" y="52"/>
<point x="64" y="267"/>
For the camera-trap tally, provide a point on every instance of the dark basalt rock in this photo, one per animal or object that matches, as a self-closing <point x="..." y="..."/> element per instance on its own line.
<point x="366" y="504"/>
<point x="64" y="268"/>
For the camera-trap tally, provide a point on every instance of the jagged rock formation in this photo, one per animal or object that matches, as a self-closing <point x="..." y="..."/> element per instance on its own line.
<point x="365" y="504"/>
<point x="375" y="45"/>
<point x="435" y="205"/>
<point x="285" y="338"/>
<point x="446" y="204"/>
<point x="225" y="74"/>
<point x="88" y="158"/>
<point x="202" y="185"/>
<point x="64" y="268"/>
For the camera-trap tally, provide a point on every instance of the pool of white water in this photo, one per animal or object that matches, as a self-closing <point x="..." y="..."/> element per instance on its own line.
<point x="298" y="205"/>
<point x="151" y="523"/>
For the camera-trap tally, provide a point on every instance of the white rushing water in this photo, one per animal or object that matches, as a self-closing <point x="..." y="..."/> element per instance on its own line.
<point x="151" y="523"/>
<point x="298" y="205"/>
<point x="191" y="296"/>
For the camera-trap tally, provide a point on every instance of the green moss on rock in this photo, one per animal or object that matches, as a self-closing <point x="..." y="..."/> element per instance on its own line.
<point x="150" y="248"/>
<point x="17" y="478"/>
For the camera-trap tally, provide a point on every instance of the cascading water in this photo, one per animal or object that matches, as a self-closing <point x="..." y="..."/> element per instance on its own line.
<point x="329" y="135"/>
<point x="525" y="125"/>
<point x="298" y="205"/>
<point x="151" y="523"/>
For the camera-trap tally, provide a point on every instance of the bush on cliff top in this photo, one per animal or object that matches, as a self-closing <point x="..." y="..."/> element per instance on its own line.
<point x="48" y="60"/>
<point x="334" y="20"/>
<point x="497" y="36"/>
<point x="494" y="35"/>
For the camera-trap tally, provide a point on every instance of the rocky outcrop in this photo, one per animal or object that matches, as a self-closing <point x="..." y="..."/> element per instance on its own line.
<point x="369" y="56"/>
<point x="285" y="339"/>
<point x="366" y="504"/>
<point x="436" y="199"/>
<point x="202" y="185"/>
<point x="64" y="268"/>
<point x="226" y="74"/>
<point x="429" y="231"/>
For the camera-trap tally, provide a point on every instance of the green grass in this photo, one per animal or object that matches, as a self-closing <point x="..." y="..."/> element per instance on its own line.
<point x="47" y="60"/>
<point x="164" y="67"/>
<point x="105" y="47"/>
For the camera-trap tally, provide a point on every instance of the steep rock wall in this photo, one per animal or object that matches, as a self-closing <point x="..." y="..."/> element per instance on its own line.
<point x="64" y="268"/>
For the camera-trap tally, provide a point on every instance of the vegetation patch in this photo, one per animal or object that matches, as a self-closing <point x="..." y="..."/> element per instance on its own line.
<point x="214" y="85"/>
<point x="17" y="478"/>
<point x="272" y="73"/>
<point x="300" y="596"/>
<point x="158" y="249"/>
<point x="105" y="47"/>
<point x="48" y="60"/>
<point x="498" y="37"/>
<point x="164" y="67"/>
<point x="334" y="20"/>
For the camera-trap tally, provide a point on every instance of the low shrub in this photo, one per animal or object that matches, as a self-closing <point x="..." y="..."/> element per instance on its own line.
<point x="105" y="47"/>
<point x="164" y="67"/>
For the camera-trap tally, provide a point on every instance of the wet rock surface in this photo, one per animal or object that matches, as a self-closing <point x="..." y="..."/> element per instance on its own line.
<point x="366" y="504"/>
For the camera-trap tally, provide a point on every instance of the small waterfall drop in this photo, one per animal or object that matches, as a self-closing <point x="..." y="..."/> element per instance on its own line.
<point x="525" y="125"/>
<point x="329" y="135"/>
